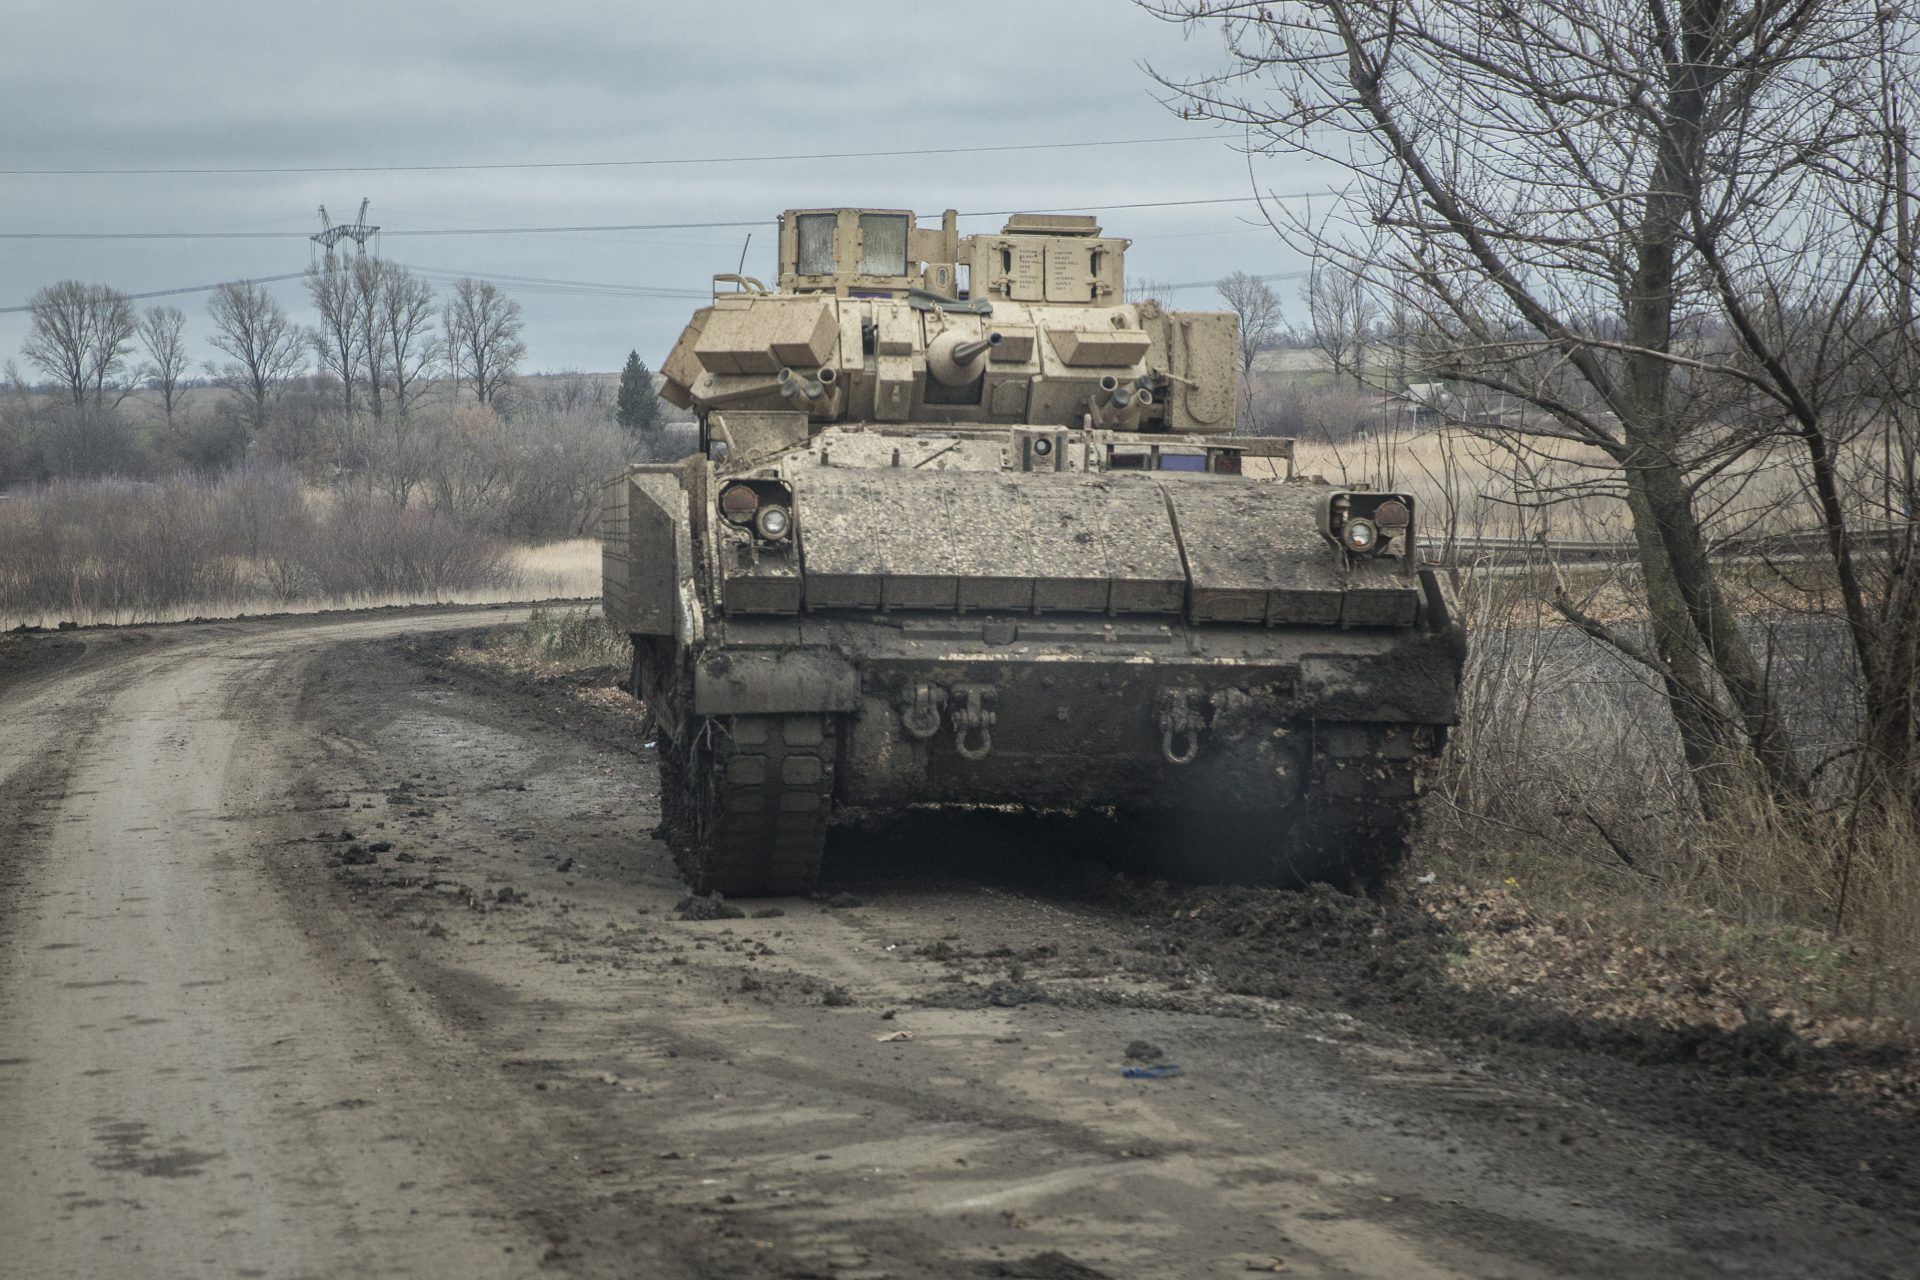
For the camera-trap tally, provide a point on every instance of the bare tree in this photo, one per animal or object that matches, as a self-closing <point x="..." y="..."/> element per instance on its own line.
<point x="563" y="392"/>
<point x="1680" y="233"/>
<point x="264" y="347"/>
<point x="405" y="320"/>
<point x="470" y="460"/>
<point x="483" y="337"/>
<point x="1340" y="318"/>
<point x="366" y="282"/>
<point x="1258" y="307"/>
<point x="79" y="335"/>
<point x="400" y="455"/>
<point x="163" y="336"/>
<point x="337" y="339"/>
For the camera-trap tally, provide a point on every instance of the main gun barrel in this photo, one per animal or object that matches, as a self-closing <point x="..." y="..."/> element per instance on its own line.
<point x="954" y="361"/>
<point x="968" y="352"/>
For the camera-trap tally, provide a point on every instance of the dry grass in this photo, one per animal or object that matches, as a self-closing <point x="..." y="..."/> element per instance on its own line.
<point x="571" y="651"/>
<point x="253" y="542"/>
<point x="558" y="570"/>
<point x="1564" y="790"/>
<point x="1727" y="927"/>
<point x="562" y="640"/>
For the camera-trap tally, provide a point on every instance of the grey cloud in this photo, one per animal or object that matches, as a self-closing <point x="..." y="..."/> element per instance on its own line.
<point x="196" y="83"/>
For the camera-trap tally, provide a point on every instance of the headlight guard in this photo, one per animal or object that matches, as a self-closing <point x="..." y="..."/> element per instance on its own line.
<point x="762" y="507"/>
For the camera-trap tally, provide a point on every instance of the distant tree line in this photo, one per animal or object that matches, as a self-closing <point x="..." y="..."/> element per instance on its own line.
<point x="389" y="390"/>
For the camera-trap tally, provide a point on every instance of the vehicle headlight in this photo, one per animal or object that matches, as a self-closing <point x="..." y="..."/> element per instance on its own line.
<point x="1360" y="536"/>
<point x="773" y="523"/>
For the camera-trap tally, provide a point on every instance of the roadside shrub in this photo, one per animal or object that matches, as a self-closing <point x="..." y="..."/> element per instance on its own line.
<point x="139" y="551"/>
<point x="43" y="438"/>
<point x="210" y="443"/>
<point x="109" y="548"/>
<point x="376" y="549"/>
<point x="571" y="637"/>
<point x="530" y="476"/>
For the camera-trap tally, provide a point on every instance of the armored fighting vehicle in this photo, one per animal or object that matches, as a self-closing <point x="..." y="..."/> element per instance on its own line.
<point x="968" y="528"/>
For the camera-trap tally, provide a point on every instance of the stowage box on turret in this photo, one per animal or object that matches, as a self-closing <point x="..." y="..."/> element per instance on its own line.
<point x="969" y="528"/>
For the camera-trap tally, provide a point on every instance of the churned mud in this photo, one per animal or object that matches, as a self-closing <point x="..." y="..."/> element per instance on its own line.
<point x="382" y="958"/>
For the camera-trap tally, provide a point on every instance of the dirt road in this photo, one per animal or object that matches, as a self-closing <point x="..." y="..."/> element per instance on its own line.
<point x="317" y="960"/>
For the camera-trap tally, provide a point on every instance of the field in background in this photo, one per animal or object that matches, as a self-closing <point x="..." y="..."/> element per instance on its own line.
<point x="1469" y="486"/>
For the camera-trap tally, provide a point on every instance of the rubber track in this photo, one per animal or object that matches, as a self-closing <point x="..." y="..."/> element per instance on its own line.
<point x="772" y="792"/>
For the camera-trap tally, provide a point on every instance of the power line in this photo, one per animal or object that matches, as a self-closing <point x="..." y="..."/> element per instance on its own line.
<point x="195" y="288"/>
<point x="1142" y="204"/>
<point x="527" y="284"/>
<point x="1209" y="284"/>
<point x="615" y="226"/>
<point x="302" y="235"/>
<point x="547" y="284"/>
<point x="597" y="164"/>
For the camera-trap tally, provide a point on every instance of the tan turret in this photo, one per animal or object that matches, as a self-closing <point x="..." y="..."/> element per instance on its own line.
<point x="1022" y="326"/>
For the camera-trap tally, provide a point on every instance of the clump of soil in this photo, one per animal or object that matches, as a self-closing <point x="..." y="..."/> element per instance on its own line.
<point x="1282" y="943"/>
<point x="1144" y="1051"/>
<point x="972" y="995"/>
<point x="708" y="907"/>
<point x="1051" y="1265"/>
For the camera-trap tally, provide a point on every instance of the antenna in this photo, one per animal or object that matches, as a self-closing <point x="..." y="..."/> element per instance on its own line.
<point x="743" y="255"/>
<point x="332" y="233"/>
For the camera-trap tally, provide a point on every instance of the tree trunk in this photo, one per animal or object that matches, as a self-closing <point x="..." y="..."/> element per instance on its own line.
<point x="1664" y="514"/>
<point x="1886" y="771"/>
<point x="1713" y="760"/>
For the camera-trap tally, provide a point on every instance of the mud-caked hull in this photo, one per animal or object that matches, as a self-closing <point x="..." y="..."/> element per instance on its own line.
<point x="968" y="527"/>
<point x="1266" y="754"/>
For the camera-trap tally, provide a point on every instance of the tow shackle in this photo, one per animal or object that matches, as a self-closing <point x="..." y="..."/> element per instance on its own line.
<point x="971" y="719"/>
<point x="1180" y="720"/>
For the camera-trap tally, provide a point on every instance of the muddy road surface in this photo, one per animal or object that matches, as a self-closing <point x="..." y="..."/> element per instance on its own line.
<point x="321" y="957"/>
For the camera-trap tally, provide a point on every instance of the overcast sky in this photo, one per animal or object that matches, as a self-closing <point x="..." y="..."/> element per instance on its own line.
<point x="203" y="83"/>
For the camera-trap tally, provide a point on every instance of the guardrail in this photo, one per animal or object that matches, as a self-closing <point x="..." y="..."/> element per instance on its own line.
<point x="1798" y="543"/>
